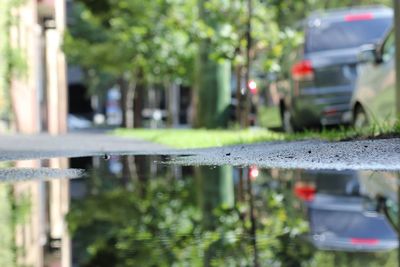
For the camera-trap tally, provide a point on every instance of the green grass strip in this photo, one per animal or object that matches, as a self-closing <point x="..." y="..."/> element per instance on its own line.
<point x="201" y="138"/>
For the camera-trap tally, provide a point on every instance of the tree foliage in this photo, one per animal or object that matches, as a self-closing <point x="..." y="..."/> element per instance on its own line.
<point x="147" y="40"/>
<point x="160" y="38"/>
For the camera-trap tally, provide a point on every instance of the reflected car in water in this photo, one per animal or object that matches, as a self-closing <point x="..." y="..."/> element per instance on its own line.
<point x="342" y="215"/>
<point x="323" y="73"/>
<point x="374" y="97"/>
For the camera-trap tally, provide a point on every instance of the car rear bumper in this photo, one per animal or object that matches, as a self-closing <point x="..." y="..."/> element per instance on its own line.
<point x="344" y="244"/>
<point x="322" y="106"/>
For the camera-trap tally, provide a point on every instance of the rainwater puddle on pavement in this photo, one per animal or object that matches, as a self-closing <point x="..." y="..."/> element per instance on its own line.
<point x="139" y="211"/>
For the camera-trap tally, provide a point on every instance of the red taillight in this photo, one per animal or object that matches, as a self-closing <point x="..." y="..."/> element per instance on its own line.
<point x="252" y="85"/>
<point x="330" y="112"/>
<point x="303" y="71"/>
<point x="304" y="191"/>
<point x="356" y="17"/>
<point x="364" y="241"/>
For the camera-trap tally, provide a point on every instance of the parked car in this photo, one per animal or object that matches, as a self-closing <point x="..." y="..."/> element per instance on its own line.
<point x="76" y="122"/>
<point x="324" y="70"/>
<point x="374" y="96"/>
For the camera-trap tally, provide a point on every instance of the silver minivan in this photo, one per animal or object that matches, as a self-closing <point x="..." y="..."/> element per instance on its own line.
<point x="373" y="101"/>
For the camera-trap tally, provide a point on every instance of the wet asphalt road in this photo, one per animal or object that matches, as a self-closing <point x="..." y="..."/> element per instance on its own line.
<point x="383" y="154"/>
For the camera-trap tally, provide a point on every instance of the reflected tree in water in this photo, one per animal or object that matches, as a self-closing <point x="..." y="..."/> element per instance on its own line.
<point x="189" y="221"/>
<point x="197" y="220"/>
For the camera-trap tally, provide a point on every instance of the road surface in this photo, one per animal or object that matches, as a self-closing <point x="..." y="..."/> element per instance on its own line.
<point x="380" y="154"/>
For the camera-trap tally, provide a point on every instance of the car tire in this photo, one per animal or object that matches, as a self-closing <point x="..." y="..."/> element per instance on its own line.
<point x="360" y="118"/>
<point x="287" y="123"/>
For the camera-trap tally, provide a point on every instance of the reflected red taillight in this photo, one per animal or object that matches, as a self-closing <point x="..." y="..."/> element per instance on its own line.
<point x="364" y="241"/>
<point x="253" y="172"/>
<point x="357" y="17"/>
<point x="304" y="191"/>
<point x="303" y="71"/>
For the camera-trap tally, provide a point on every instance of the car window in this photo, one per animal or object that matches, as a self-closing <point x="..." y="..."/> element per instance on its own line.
<point x="325" y="35"/>
<point x="388" y="48"/>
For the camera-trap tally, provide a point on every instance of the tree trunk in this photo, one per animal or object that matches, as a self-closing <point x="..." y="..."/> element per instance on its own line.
<point x="127" y="96"/>
<point x="130" y="175"/>
<point x="214" y="94"/>
<point x="239" y="104"/>
<point x="138" y="106"/>
<point x="397" y="62"/>
<point x="212" y="78"/>
<point x="173" y="97"/>
<point x="245" y="119"/>
<point x="215" y="189"/>
<point x="143" y="173"/>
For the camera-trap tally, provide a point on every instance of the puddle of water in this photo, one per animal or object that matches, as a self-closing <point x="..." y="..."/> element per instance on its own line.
<point x="138" y="211"/>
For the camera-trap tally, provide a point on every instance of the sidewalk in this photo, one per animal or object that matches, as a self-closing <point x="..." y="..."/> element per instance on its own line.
<point x="14" y="147"/>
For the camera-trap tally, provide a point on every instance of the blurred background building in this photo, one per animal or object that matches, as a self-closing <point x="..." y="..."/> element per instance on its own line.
<point x="38" y="103"/>
<point x="39" y="95"/>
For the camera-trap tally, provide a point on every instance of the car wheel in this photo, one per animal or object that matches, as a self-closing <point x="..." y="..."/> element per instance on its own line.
<point x="287" y="123"/>
<point x="360" y="118"/>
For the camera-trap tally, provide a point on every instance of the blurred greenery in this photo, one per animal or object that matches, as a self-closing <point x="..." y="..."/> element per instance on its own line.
<point x="13" y="62"/>
<point x="7" y="252"/>
<point x="134" y="39"/>
<point x="14" y="211"/>
<point x="160" y="38"/>
<point x="269" y="117"/>
<point x="343" y="259"/>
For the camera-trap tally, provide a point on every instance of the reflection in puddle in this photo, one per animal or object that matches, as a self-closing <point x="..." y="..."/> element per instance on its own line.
<point x="136" y="211"/>
<point x="21" y="174"/>
<point x="343" y="214"/>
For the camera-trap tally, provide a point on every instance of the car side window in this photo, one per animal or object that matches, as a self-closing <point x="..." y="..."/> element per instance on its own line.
<point x="388" y="48"/>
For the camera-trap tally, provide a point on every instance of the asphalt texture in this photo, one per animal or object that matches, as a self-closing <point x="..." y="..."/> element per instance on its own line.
<point x="381" y="154"/>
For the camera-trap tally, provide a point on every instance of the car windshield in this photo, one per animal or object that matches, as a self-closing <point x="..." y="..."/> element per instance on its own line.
<point x="325" y="35"/>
